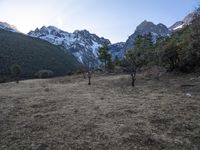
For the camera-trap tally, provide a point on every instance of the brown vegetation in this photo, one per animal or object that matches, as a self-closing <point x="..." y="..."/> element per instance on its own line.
<point x="65" y="113"/>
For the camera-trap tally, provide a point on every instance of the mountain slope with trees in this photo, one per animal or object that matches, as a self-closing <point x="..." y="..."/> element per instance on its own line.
<point x="32" y="55"/>
<point x="180" y="51"/>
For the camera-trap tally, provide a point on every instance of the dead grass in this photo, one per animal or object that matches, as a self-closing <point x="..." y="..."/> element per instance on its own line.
<point x="65" y="113"/>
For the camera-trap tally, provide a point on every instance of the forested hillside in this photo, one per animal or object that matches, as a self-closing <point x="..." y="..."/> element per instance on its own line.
<point x="33" y="55"/>
<point x="180" y="51"/>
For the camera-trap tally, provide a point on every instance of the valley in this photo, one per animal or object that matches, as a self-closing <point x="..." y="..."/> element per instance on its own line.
<point x="65" y="113"/>
<point x="96" y="75"/>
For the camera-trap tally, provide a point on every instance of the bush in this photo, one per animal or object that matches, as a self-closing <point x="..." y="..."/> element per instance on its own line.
<point x="44" y="74"/>
<point x="153" y="71"/>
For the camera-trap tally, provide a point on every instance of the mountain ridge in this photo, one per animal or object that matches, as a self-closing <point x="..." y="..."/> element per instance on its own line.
<point x="81" y="43"/>
<point x="84" y="45"/>
<point x="146" y="27"/>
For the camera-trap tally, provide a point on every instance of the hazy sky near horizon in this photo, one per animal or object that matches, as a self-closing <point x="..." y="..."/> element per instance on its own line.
<point x="112" y="19"/>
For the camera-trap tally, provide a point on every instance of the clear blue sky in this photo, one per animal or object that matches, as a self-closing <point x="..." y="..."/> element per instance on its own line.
<point x="112" y="19"/>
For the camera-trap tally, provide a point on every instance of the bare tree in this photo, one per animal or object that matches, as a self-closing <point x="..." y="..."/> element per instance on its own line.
<point x="89" y="77"/>
<point x="89" y="68"/>
<point x="131" y="68"/>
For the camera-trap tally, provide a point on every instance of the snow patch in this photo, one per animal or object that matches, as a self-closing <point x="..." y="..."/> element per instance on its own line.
<point x="95" y="48"/>
<point x="81" y="44"/>
<point x="178" y="27"/>
<point x="78" y="56"/>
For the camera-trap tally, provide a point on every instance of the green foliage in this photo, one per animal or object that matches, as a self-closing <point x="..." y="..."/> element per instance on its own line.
<point x="169" y="56"/>
<point x="110" y="64"/>
<point x="33" y="55"/>
<point x="182" y="50"/>
<point x="143" y="52"/>
<point x="104" y="56"/>
<point x="195" y="40"/>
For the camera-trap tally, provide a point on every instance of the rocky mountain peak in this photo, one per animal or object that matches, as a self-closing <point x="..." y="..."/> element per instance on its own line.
<point x="53" y="28"/>
<point x="144" y="26"/>
<point x="86" y="32"/>
<point x="149" y="27"/>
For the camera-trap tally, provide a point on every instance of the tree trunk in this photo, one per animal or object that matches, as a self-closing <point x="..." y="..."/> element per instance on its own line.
<point x="133" y="78"/>
<point x="89" y="78"/>
<point x="17" y="79"/>
<point x="133" y="82"/>
<point x="89" y="83"/>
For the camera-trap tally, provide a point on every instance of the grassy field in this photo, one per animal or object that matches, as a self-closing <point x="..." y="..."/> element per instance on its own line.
<point x="67" y="114"/>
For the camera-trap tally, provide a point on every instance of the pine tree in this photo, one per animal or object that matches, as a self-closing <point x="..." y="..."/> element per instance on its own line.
<point x="144" y="50"/>
<point x="104" y="55"/>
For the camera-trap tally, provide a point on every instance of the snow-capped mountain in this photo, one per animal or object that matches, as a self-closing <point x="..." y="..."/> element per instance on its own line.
<point x="157" y="31"/>
<point x="82" y="44"/>
<point x="145" y="27"/>
<point x="8" y="27"/>
<point x="185" y="22"/>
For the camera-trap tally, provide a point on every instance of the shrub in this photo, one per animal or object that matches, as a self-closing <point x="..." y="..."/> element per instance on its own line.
<point x="44" y="74"/>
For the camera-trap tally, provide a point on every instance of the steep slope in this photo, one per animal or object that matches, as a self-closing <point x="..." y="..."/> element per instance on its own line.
<point x="82" y="44"/>
<point x="32" y="55"/>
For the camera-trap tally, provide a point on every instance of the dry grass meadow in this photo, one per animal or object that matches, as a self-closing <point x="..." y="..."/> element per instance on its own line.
<point x="66" y="114"/>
